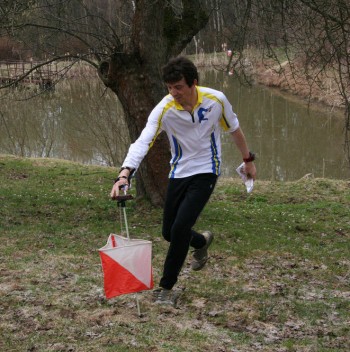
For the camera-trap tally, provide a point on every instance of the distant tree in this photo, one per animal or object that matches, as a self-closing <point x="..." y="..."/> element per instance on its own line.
<point x="127" y="42"/>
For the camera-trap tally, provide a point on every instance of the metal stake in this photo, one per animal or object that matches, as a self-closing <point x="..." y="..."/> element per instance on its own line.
<point x="121" y="203"/>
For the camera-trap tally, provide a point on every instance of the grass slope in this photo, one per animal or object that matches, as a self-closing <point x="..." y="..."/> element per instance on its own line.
<point x="277" y="280"/>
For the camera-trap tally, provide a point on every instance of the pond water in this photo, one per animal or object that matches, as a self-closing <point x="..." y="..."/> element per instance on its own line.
<point x="80" y="121"/>
<point x="289" y="139"/>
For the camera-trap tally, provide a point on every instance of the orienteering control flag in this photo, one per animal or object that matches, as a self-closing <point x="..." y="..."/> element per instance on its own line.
<point x="127" y="265"/>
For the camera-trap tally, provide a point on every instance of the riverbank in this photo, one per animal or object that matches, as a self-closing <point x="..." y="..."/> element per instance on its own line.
<point x="276" y="280"/>
<point x="314" y="88"/>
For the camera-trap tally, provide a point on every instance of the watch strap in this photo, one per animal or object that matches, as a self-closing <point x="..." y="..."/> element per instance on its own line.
<point x="250" y="158"/>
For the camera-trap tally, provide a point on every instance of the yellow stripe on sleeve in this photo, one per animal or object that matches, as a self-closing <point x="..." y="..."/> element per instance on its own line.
<point x="159" y="123"/>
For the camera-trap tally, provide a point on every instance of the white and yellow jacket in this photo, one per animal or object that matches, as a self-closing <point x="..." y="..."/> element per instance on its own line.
<point x="194" y="137"/>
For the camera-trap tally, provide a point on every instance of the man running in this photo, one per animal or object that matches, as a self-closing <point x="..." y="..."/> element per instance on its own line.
<point x="192" y="117"/>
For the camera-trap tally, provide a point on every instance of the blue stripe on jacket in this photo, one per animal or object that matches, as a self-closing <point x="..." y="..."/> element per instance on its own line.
<point x="214" y="155"/>
<point x="176" y="158"/>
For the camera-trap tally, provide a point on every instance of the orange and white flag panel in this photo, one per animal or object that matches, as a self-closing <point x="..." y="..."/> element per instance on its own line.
<point x="127" y="265"/>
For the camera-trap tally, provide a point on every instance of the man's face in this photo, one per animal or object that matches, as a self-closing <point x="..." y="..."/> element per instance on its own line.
<point x="180" y="91"/>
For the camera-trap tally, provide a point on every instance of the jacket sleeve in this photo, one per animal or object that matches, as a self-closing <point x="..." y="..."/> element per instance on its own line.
<point x="229" y="121"/>
<point x="138" y="149"/>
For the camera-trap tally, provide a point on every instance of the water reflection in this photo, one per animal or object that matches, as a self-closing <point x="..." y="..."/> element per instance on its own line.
<point x="80" y="121"/>
<point x="289" y="139"/>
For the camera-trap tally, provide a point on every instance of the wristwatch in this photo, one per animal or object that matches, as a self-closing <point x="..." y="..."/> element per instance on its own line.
<point x="250" y="158"/>
<point x="131" y="172"/>
<point x="127" y="168"/>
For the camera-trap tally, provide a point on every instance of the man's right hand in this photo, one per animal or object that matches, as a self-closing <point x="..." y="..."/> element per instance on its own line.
<point x="122" y="182"/>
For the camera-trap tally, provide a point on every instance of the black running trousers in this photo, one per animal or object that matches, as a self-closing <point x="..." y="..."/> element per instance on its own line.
<point x="186" y="198"/>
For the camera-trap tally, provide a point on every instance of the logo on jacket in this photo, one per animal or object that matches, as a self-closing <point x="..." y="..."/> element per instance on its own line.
<point x="201" y="114"/>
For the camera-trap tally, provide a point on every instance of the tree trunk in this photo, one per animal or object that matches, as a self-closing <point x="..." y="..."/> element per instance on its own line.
<point x="139" y="91"/>
<point x="134" y="74"/>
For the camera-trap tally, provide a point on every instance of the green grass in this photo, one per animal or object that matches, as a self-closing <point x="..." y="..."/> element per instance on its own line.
<point x="277" y="279"/>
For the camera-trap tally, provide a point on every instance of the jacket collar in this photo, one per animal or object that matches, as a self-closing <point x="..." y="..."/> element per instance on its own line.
<point x="199" y="100"/>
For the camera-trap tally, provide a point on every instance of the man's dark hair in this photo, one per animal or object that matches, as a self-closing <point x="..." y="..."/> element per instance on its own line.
<point x="178" y="68"/>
